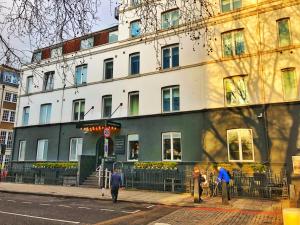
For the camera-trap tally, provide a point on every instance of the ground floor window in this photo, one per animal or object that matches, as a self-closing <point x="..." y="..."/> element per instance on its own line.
<point x="42" y="150"/>
<point x="133" y="147"/>
<point x="75" y="148"/>
<point x="171" y="146"/>
<point x="22" y="147"/>
<point x="240" y="145"/>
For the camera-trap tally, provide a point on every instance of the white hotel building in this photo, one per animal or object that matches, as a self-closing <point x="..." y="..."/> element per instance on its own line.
<point x="238" y="104"/>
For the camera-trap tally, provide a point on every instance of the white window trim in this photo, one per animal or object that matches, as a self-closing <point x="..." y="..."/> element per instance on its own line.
<point x="240" y="146"/>
<point x="290" y="32"/>
<point x="6" y="137"/>
<point x="85" y="43"/>
<point x="104" y="68"/>
<point x="131" y="137"/>
<point x="232" y="32"/>
<point x="130" y="94"/>
<point x="12" y="94"/>
<point x="73" y="109"/>
<point x="171" y="99"/>
<point x="245" y="79"/>
<point x="231" y="6"/>
<point x="170" y="26"/>
<point x="130" y="58"/>
<point x="130" y="33"/>
<point x="81" y="82"/>
<point x="22" y="157"/>
<point x="70" y="149"/>
<point x="49" y="74"/>
<point x="44" y="152"/>
<point x="170" y="47"/>
<point x="9" y="115"/>
<point x="29" y="80"/>
<point x="282" y="83"/>
<point x="56" y="52"/>
<point x="23" y="113"/>
<point x="47" y="112"/>
<point x="172" y="148"/>
<point x="103" y="100"/>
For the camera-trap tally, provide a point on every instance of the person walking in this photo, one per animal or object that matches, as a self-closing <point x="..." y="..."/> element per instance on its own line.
<point x="115" y="185"/>
<point x="198" y="180"/>
<point x="224" y="178"/>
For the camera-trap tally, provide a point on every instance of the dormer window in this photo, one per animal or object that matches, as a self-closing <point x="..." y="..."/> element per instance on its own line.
<point x="37" y="56"/>
<point x="113" y="36"/>
<point x="56" y="52"/>
<point x="87" y="43"/>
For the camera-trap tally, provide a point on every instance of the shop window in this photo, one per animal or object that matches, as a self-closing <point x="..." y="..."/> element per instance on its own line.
<point x="171" y="145"/>
<point x="133" y="147"/>
<point x="75" y="148"/>
<point x="42" y="150"/>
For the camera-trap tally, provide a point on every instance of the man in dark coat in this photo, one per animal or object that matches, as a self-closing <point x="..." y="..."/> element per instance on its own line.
<point x="115" y="185"/>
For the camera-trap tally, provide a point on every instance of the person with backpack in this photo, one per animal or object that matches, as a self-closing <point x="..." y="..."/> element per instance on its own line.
<point x="224" y="177"/>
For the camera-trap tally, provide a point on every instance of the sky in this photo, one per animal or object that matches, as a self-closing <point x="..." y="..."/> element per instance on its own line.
<point x="105" y="15"/>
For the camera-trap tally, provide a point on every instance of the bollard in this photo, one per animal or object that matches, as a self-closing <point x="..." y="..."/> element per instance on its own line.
<point x="291" y="216"/>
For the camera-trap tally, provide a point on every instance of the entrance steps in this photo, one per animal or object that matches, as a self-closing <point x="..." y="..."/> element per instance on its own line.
<point x="91" y="181"/>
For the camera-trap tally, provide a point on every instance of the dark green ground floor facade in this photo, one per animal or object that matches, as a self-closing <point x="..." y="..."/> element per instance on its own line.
<point x="204" y="135"/>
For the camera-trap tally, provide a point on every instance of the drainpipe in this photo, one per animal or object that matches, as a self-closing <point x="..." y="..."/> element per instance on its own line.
<point x="61" y="113"/>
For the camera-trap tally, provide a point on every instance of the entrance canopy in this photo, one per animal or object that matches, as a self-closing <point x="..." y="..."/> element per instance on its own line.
<point x="98" y="126"/>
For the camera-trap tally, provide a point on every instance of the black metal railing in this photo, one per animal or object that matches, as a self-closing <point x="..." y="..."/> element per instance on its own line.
<point x="159" y="180"/>
<point x="51" y="176"/>
<point x="258" y="185"/>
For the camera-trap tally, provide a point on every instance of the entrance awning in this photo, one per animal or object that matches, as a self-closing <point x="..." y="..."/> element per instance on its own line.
<point x="98" y="126"/>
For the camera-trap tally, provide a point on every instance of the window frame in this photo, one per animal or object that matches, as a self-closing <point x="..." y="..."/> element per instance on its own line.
<point x="48" y="114"/>
<point x="12" y="96"/>
<point x="231" y="6"/>
<point x="296" y="84"/>
<point x="23" y="115"/>
<point x="171" y="98"/>
<point x="233" y="43"/>
<point x="169" y="25"/>
<point x="171" y="133"/>
<point x="48" y="75"/>
<point x="83" y="77"/>
<point x="130" y="28"/>
<point x="6" y="137"/>
<point x="80" y="101"/>
<point x="45" y="154"/>
<point x="278" y="33"/>
<point x="245" y="79"/>
<point x="240" y="144"/>
<point x="37" y="56"/>
<point x="170" y="47"/>
<point x="11" y="114"/>
<point x="56" y="52"/>
<point x="130" y="94"/>
<point x="135" y="137"/>
<point x="70" y="150"/>
<point x="87" y="43"/>
<point x="130" y="63"/>
<point x="29" y="84"/>
<point x="21" y="158"/>
<point x="110" y="36"/>
<point x="105" y="62"/>
<point x="103" y="101"/>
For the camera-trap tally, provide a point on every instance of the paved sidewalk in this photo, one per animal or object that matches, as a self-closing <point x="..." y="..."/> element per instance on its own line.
<point x="151" y="197"/>
<point x="210" y="212"/>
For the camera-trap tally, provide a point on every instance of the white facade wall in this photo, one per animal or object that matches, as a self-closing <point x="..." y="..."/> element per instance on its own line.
<point x="200" y="76"/>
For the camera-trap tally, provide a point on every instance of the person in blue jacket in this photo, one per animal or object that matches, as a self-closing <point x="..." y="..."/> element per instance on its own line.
<point x="115" y="185"/>
<point x="224" y="177"/>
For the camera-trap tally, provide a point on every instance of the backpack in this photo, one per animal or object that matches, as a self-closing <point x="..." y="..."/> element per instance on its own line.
<point x="229" y="174"/>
